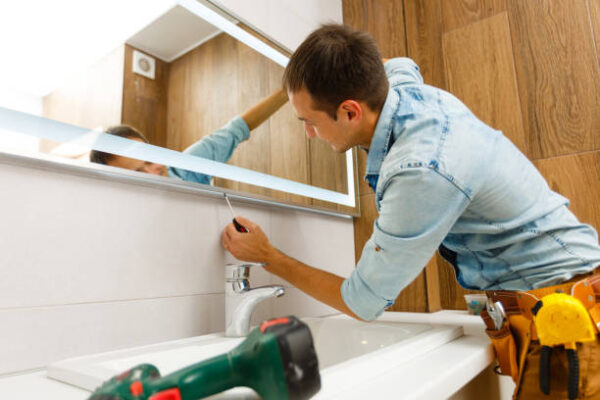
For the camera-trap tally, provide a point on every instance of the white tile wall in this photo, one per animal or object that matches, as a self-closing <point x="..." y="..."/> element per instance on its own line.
<point x="90" y="265"/>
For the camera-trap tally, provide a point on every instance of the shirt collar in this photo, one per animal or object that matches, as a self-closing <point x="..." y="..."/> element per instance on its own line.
<point x="380" y="143"/>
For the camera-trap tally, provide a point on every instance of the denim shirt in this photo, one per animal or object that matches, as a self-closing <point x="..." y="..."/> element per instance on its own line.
<point x="443" y="177"/>
<point x="218" y="146"/>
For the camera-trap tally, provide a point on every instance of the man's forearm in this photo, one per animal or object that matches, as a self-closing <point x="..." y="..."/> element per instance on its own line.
<point x="319" y="284"/>
<point x="261" y="111"/>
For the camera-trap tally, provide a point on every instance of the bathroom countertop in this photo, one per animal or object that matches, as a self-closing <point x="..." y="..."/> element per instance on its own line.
<point x="436" y="374"/>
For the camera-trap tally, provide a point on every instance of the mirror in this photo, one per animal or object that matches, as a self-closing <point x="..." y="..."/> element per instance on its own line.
<point x="180" y="78"/>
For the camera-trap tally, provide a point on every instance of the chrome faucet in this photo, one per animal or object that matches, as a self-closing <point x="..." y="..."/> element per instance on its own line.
<point x="240" y="300"/>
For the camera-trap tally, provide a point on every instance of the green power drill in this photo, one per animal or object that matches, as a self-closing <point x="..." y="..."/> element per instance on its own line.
<point x="277" y="360"/>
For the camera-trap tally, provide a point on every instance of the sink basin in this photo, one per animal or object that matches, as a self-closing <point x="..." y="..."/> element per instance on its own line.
<point x="341" y="344"/>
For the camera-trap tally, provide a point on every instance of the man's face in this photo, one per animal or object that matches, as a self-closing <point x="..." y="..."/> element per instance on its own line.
<point x="137" y="165"/>
<point x="319" y="123"/>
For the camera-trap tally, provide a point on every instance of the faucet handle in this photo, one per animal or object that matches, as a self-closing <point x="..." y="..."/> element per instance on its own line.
<point x="236" y="272"/>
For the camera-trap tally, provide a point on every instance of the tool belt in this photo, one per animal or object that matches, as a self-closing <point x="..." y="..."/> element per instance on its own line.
<point x="560" y="315"/>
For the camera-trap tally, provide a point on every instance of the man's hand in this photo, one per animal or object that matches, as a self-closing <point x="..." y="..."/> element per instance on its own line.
<point x="253" y="246"/>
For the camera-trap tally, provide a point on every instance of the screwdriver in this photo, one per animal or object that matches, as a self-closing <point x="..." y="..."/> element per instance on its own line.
<point x="238" y="227"/>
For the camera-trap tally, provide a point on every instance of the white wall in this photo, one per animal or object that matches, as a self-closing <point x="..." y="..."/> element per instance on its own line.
<point x="20" y="101"/>
<point x="90" y="265"/>
<point x="16" y="100"/>
<point x="287" y="21"/>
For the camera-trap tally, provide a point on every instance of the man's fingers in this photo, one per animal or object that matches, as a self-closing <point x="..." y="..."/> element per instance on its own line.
<point x="230" y="230"/>
<point x="243" y="220"/>
<point x="246" y="223"/>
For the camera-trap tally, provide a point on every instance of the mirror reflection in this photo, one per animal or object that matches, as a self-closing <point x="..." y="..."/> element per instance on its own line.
<point x="182" y="84"/>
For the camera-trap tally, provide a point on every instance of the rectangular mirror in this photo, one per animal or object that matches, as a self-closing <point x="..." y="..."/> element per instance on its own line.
<point x="179" y="76"/>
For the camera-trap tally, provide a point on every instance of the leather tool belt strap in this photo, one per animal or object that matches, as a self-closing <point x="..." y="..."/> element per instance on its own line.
<point x="512" y="340"/>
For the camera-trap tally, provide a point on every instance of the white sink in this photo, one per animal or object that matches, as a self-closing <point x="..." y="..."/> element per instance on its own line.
<point x="343" y="345"/>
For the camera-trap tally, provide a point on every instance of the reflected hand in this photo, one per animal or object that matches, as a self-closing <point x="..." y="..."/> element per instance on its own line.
<point x="253" y="246"/>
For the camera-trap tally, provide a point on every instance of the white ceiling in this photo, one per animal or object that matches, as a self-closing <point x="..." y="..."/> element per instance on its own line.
<point x="173" y="34"/>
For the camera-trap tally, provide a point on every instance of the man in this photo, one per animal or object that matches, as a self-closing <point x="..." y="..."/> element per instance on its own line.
<point x="442" y="178"/>
<point x="218" y="146"/>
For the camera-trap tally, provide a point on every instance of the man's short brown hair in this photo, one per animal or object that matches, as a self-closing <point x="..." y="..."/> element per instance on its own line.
<point x="336" y="63"/>
<point x="124" y="131"/>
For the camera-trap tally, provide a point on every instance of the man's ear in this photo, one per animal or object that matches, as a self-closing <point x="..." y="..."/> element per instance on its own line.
<point x="351" y="110"/>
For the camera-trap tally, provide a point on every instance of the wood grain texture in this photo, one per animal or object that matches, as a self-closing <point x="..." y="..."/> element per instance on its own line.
<point x="363" y="226"/>
<point x="327" y="168"/>
<point x="480" y="71"/>
<point x="90" y="99"/>
<point x="363" y="185"/>
<point x="235" y="61"/>
<point x="424" y="39"/>
<point x="558" y="75"/>
<point x="432" y="285"/>
<point x="459" y="13"/>
<point x="577" y="177"/>
<point x="383" y="19"/>
<point x="290" y="155"/>
<point x="594" y="11"/>
<point x="145" y="100"/>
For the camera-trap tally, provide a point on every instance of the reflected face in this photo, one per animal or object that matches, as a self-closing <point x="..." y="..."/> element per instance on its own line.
<point x="320" y="124"/>
<point x="137" y="165"/>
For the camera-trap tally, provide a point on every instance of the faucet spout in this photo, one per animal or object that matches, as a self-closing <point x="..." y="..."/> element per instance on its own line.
<point x="240" y="299"/>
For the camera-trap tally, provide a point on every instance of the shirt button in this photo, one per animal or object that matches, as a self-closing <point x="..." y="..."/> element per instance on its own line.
<point x="377" y="248"/>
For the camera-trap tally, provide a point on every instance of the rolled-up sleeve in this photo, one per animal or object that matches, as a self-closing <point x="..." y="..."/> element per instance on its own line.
<point x="218" y="146"/>
<point x="418" y="210"/>
<point x="402" y="70"/>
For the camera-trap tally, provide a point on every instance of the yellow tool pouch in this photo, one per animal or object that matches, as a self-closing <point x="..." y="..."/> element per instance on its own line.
<point x="506" y="350"/>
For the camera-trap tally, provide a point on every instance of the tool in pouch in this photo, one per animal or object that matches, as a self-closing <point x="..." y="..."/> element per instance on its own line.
<point x="496" y="312"/>
<point x="277" y="360"/>
<point x="238" y="227"/>
<point x="499" y="332"/>
<point x="561" y="320"/>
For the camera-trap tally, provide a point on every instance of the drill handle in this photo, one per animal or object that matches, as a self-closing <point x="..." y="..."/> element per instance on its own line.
<point x="199" y="380"/>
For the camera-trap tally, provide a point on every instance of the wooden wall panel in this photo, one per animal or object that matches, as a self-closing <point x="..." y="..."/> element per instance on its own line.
<point x="363" y="185"/>
<point x="424" y="39"/>
<point x="491" y="92"/>
<point x="577" y="177"/>
<point x="250" y="70"/>
<point x="290" y="157"/>
<point x="594" y="9"/>
<point x="557" y="70"/>
<point x="459" y="13"/>
<point x="327" y="168"/>
<point x="383" y="19"/>
<point x="363" y="226"/>
<point x="145" y="100"/>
